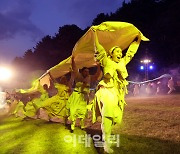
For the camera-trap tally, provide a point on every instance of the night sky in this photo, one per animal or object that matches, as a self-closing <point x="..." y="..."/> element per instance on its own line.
<point x="24" y="22"/>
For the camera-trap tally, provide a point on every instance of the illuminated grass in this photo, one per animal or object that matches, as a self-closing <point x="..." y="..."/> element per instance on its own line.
<point x="38" y="136"/>
<point x="150" y="125"/>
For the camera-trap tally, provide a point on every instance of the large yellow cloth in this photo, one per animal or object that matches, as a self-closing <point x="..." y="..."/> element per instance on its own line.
<point x="61" y="69"/>
<point x="35" y="86"/>
<point x="109" y="34"/>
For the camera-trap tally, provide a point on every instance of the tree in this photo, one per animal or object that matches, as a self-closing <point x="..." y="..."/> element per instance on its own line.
<point x="100" y="18"/>
<point x="65" y="40"/>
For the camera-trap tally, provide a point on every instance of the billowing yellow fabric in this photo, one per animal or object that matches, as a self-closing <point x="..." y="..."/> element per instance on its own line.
<point x="45" y="79"/>
<point x="60" y="69"/>
<point x="34" y="87"/>
<point x="109" y="34"/>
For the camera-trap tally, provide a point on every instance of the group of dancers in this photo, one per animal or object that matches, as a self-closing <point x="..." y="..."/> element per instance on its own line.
<point x="72" y="103"/>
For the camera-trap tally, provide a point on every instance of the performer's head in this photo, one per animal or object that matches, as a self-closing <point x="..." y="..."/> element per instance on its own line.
<point x="85" y="72"/>
<point x="115" y="53"/>
<point x="45" y="86"/>
<point x="63" y="80"/>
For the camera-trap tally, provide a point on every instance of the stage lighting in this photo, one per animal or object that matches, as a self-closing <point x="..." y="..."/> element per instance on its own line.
<point x="142" y="67"/>
<point x="151" y="67"/>
<point x="5" y="73"/>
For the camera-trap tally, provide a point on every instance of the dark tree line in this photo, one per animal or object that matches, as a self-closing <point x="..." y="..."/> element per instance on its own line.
<point x="50" y="50"/>
<point x="159" y="20"/>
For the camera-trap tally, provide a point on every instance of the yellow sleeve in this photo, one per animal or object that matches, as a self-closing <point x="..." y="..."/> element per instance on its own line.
<point x="131" y="52"/>
<point x="101" y="55"/>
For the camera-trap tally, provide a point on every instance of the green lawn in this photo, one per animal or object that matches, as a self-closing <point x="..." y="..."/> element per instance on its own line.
<point x="38" y="136"/>
<point x="150" y="125"/>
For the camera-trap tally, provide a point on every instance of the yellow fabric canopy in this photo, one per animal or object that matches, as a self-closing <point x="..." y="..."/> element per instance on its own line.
<point x="109" y="34"/>
<point x="57" y="71"/>
<point x="62" y="68"/>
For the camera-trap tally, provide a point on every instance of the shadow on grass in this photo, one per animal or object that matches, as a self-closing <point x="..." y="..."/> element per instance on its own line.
<point x="132" y="144"/>
<point x="94" y="132"/>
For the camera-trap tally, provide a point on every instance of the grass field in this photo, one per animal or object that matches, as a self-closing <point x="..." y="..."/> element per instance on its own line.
<point x="150" y="125"/>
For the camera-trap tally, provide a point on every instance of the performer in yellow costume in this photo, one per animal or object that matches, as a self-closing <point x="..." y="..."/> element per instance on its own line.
<point x="112" y="89"/>
<point x="30" y="110"/>
<point x="56" y="105"/>
<point x="77" y="102"/>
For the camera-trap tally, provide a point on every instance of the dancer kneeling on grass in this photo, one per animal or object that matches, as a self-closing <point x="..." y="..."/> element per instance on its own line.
<point x="109" y="99"/>
<point x="77" y="102"/>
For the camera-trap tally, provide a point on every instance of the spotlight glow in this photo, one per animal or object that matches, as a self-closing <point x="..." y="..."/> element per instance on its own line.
<point x="5" y="73"/>
<point x="142" y="67"/>
<point x="145" y="61"/>
<point x="150" y="67"/>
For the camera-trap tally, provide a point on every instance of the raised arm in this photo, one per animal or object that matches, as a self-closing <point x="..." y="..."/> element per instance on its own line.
<point x="71" y="82"/>
<point x="132" y="49"/>
<point x="100" y="52"/>
<point x="52" y="79"/>
<point x="75" y="71"/>
<point x="97" y="74"/>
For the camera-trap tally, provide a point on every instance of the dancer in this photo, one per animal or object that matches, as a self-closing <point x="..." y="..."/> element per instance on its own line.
<point x="170" y="85"/>
<point x="56" y="105"/>
<point x="136" y="90"/>
<point x="38" y="95"/>
<point x="77" y="102"/>
<point x="112" y="89"/>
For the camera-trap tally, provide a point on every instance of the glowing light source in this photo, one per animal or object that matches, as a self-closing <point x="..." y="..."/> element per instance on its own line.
<point x="151" y="67"/>
<point x="145" y="61"/>
<point x="5" y="73"/>
<point x="142" y="67"/>
<point x="146" y="66"/>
